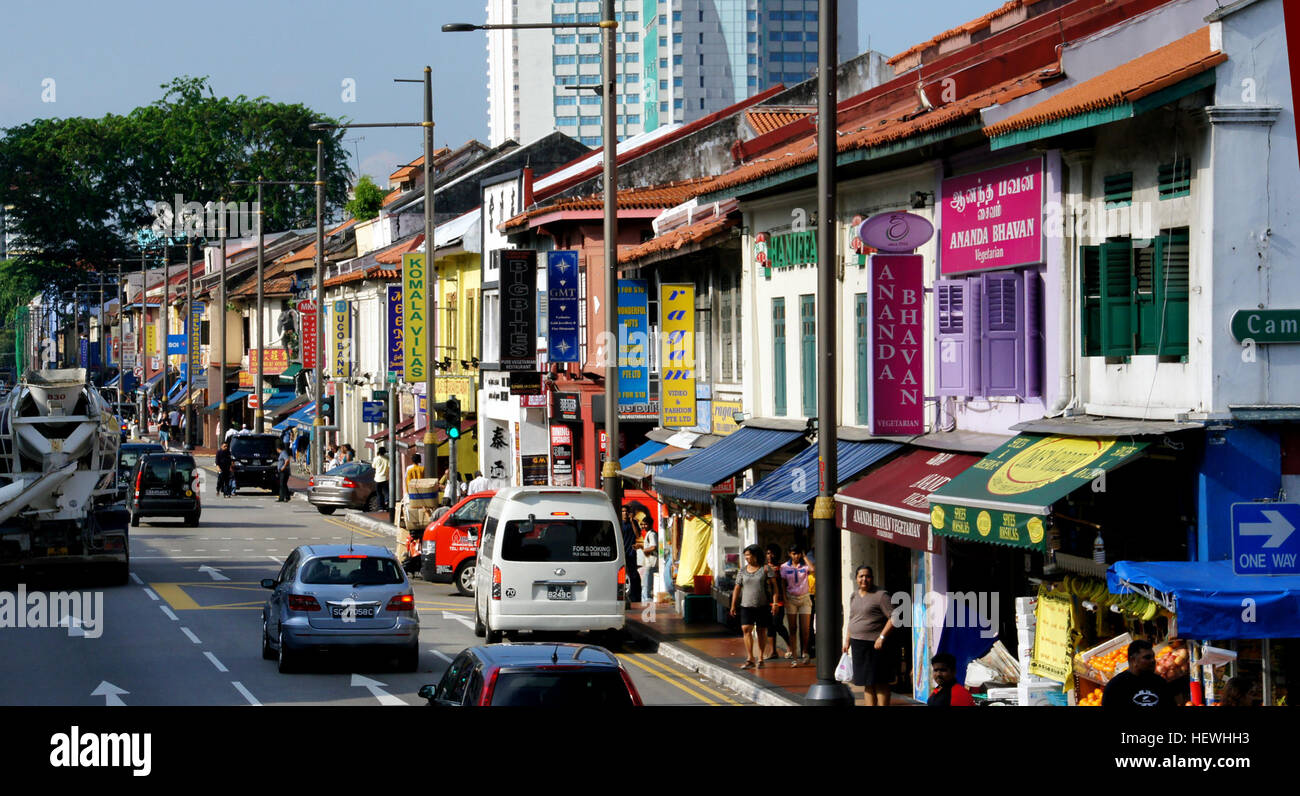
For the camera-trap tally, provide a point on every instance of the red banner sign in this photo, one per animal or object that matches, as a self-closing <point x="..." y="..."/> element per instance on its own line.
<point x="896" y="335"/>
<point x="307" y="312"/>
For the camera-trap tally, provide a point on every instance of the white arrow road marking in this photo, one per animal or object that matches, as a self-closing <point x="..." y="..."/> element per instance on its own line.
<point x="214" y="572"/>
<point x="464" y="621"/>
<point x="111" y="693"/>
<point x="252" y="700"/>
<point x="1278" y="529"/>
<point x="376" y="689"/>
<point x="74" y="625"/>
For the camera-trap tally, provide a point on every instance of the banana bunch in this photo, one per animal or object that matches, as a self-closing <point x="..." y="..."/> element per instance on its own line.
<point x="1094" y="590"/>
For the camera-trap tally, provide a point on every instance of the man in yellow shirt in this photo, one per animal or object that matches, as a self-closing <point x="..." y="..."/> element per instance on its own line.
<point x="413" y="471"/>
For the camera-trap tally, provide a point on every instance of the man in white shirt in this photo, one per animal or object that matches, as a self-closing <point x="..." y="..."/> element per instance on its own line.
<point x="479" y="484"/>
<point x="380" y="463"/>
<point x="230" y="432"/>
<point x="244" y="432"/>
<point x="174" y="419"/>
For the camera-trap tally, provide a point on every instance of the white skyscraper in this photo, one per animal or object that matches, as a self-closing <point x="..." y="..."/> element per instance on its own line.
<point x="677" y="60"/>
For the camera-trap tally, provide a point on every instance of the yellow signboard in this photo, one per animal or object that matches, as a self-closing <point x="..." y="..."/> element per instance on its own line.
<point x="724" y="415"/>
<point x="1047" y="460"/>
<point x="151" y="340"/>
<point x="415" y="314"/>
<point x="677" y="357"/>
<point x="341" y="335"/>
<point x="460" y="387"/>
<point x="1051" y="657"/>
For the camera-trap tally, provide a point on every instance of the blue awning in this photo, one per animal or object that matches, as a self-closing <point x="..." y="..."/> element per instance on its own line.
<point x="113" y="381"/>
<point x="783" y="496"/>
<point x="154" y="379"/>
<point x="279" y="399"/>
<point x="694" y="478"/>
<point x="638" y="453"/>
<point x="1209" y="599"/>
<point x="303" y="417"/>
<point x="237" y="395"/>
<point x="175" y="390"/>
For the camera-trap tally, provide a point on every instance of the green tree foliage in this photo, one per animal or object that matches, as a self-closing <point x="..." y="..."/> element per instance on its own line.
<point x="78" y="190"/>
<point x="366" y="200"/>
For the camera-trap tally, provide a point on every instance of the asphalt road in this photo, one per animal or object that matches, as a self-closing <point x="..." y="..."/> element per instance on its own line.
<point x="186" y="629"/>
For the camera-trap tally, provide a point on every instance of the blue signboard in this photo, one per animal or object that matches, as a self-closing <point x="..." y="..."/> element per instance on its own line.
<point x="372" y="411"/>
<point x="562" y="306"/>
<point x="393" y="330"/>
<point x="633" y="343"/>
<point x="1264" y="538"/>
<point x="175" y="344"/>
<point x="85" y="353"/>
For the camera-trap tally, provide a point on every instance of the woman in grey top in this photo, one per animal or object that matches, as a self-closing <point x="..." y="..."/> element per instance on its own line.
<point x="755" y="592"/>
<point x="870" y="621"/>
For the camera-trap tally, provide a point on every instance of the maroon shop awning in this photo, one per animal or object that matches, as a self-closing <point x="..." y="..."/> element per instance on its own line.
<point x="890" y="503"/>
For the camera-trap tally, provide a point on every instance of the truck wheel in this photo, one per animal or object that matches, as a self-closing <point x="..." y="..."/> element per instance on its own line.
<point x="492" y="636"/>
<point x="326" y="510"/>
<point x="464" y="577"/>
<point x="480" y="629"/>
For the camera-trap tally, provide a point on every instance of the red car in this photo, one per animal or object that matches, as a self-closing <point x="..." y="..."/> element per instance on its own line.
<point x="449" y="546"/>
<point x="534" y="675"/>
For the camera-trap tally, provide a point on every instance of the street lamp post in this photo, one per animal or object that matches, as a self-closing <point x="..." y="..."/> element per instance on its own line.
<point x="608" y="26"/>
<point x="191" y="356"/>
<point x="430" y="448"/>
<point x="222" y="421"/>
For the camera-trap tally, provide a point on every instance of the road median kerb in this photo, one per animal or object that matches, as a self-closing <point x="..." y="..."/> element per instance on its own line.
<point x="714" y="670"/>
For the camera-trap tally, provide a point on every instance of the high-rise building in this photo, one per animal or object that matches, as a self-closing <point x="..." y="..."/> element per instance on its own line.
<point x="677" y="60"/>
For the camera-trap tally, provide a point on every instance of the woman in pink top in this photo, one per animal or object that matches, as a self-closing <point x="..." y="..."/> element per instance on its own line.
<point x="798" y="602"/>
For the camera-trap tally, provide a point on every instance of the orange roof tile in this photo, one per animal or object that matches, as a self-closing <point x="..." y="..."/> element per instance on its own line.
<point x="340" y="227"/>
<point x="393" y="254"/>
<point x="968" y="27"/>
<point x="893" y="124"/>
<point x="392" y="197"/>
<point x="373" y="272"/>
<point x="669" y="195"/>
<point x="307" y="252"/>
<point x="675" y="239"/>
<point x="765" y="121"/>
<point x="1145" y="75"/>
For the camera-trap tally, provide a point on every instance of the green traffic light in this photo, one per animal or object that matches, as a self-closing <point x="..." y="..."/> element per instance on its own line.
<point x="453" y="433"/>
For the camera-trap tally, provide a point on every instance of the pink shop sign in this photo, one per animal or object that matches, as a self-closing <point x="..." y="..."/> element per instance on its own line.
<point x="992" y="219"/>
<point x="896" y="338"/>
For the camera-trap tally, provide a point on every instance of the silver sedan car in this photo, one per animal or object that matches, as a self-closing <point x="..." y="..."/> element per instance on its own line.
<point x="340" y="596"/>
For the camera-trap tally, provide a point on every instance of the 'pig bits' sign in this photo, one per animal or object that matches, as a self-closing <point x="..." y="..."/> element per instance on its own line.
<point x="897" y="373"/>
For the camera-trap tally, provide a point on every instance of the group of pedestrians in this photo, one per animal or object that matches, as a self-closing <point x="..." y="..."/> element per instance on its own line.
<point x="770" y="593"/>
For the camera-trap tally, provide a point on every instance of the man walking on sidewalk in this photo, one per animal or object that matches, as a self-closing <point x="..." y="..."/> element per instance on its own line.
<point x="282" y="467"/>
<point x="381" y="476"/>
<point x="224" y="463"/>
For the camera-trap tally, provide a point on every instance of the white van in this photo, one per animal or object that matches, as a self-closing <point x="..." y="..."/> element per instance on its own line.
<point x="550" y="558"/>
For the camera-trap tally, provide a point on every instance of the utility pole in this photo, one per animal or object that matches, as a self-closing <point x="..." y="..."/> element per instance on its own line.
<point x="191" y="344"/>
<point x="144" y="355"/>
<point x="431" y="272"/>
<point x="222" y="421"/>
<point x="609" y="470"/>
<point x="318" y="425"/>
<point x="258" y="424"/>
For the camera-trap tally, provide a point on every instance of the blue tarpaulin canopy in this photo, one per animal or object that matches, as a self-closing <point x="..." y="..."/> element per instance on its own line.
<point x="175" y="390"/>
<point x="640" y="452"/>
<point x="303" y="417"/>
<point x="279" y="399"/>
<point x="113" y="381"/>
<point x="1211" y="601"/>
<point x="784" y="494"/>
<point x="148" y="385"/>
<point x="237" y="395"/>
<point x="694" y="478"/>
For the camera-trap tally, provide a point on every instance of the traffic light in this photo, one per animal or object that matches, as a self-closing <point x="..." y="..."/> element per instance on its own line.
<point x="448" y="417"/>
<point x="327" y="407"/>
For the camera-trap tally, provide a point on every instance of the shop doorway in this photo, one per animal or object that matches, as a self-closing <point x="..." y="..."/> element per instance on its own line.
<point x="896" y="575"/>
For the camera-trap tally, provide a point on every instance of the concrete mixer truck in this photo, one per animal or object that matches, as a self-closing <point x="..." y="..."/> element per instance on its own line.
<point x="58" y="477"/>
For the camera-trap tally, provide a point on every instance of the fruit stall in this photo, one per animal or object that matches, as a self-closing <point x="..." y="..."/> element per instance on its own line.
<point x="1239" y="623"/>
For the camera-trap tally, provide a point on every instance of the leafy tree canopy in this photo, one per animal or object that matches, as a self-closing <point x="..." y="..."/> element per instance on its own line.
<point x="366" y="200"/>
<point x="78" y="191"/>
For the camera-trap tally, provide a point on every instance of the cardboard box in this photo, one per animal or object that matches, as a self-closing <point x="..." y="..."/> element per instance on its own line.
<point x="423" y="493"/>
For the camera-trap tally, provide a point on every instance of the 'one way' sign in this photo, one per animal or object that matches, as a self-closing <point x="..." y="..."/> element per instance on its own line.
<point x="1265" y="539"/>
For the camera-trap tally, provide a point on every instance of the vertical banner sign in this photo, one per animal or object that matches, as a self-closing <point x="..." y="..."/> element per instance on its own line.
<point x="633" y="343"/>
<point x="196" y="337"/>
<point x="518" y="279"/>
<point x="151" y="340"/>
<point x="341" y="332"/>
<point x="415" y="314"/>
<point x="897" y="369"/>
<point x="562" y="306"/>
<point x="561" y="455"/>
<point x="650" y="84"/>
<point x="677" y="357"/>
<point x="308" y="313"/>
<point x="992" y="219"/>
<point x="393" y="331"/>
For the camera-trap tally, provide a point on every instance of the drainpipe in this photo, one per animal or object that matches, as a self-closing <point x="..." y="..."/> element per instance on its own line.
<point x="1076" y="171"/>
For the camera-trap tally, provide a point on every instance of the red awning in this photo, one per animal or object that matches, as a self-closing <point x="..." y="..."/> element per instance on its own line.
<point x="890" y="503"/>
<point x="401" y="429"/>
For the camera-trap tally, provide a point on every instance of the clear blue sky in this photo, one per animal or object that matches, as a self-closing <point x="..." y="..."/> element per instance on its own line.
<point x="112" y="56"/>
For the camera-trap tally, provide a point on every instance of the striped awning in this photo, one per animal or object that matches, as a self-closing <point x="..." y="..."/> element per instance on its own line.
<point x="784" y="495"/>
<point x="695" y="477"/>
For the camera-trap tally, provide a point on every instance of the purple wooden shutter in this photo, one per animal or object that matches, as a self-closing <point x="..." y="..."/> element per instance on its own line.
<point x="1003" y="339"/>
<point x="954" y="337"/>
<point x="1035" y="335"/>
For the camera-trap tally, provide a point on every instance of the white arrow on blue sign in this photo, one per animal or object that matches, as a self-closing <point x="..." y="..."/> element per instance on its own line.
<point x="1264" y="538"/>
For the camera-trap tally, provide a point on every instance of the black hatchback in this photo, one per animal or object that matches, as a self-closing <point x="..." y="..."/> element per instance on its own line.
<point x="165" y="486"/>
<point x="128" y="456"/>
<point x="253" y="460"/>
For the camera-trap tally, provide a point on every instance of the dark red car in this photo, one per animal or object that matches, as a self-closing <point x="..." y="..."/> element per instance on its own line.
<point x="534" y="675"/>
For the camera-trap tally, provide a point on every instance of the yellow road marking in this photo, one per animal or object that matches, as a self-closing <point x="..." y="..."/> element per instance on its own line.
<point x="653" y="661"/>
<point x="179" y="600"/>
<point x="175" y="596"/>
<point x="366" y="532"/>
<point x="457" y="606"/>
<point x="671" y="681"/>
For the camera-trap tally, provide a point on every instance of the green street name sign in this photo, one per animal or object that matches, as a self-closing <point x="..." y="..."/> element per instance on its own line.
<point x="1266" y="326"/>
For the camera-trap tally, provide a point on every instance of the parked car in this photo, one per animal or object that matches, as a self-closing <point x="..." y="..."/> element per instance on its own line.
<point x="448" y="548"/>
<point x="254" y="457"/>
<point x="534" y="675"/>
<point x="340" y="597"/>
<point x="549" y="559"/>
<point x="165" y="487"/>
<point x="350" y="486"/>
<point x="128" y="455"/>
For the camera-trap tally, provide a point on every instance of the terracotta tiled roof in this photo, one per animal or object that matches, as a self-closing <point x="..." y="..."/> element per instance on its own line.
<point x="275" y="281"/>
<point x="675" y="239"/>
<point x="393" y="254"/>
<point x="765" y="121"/>
<point x="392" y="197"/>
<point x="893" y="124"/>
<point x="967" y="28"/>
<point x="1158" y="69"/>
<point x="373" y="272"/>
<point x="340" y="227"/>
<point x="307" y="252"/>
<point x="669" y="195"/>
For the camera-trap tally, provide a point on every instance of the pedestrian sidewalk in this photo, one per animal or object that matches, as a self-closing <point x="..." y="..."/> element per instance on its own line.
<point x="716" y="652"/>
